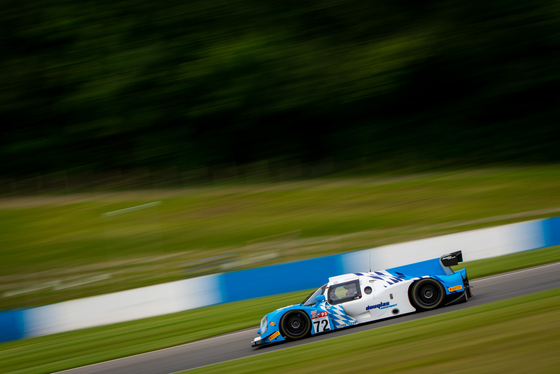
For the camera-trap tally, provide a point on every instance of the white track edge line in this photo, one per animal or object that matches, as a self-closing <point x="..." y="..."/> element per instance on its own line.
<point x="157" y="350"/>
<point x="515" y="272"/>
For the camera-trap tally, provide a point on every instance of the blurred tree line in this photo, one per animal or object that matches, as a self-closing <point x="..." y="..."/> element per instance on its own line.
<point x="101" y="84"/>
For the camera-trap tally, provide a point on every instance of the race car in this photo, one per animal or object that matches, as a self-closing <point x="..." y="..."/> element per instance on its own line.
<point x="356" y="298"/>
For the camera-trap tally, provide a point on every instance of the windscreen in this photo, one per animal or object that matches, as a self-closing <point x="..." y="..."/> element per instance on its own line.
<point x="311" y="299"/>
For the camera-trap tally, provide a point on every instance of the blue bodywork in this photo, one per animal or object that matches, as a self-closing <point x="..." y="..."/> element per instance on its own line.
<point x="432" y="269"/>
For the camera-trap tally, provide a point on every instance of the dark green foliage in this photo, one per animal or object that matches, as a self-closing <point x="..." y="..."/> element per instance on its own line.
<point x="106" y="84"/>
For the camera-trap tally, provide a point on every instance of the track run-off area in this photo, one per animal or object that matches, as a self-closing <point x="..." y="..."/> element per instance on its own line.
<point x="236" y="345"/>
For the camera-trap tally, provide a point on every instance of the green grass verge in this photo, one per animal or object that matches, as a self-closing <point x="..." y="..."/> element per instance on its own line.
<point x="66" y="350"/>
<point x="519" y="335"/>
<point x="56" y="248"/>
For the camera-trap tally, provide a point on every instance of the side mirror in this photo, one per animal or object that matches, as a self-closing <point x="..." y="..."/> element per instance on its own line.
<point x="320" y="298"/>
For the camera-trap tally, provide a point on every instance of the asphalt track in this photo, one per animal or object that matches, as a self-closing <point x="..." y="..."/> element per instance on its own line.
<point x="237" y="345"/>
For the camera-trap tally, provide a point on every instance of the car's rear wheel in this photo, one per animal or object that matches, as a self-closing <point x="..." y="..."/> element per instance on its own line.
<point x="426" y="294"/>
<point x="295" y="324"/>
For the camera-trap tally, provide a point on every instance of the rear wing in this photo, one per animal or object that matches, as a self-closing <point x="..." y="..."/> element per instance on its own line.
<point x="452" y="258"/>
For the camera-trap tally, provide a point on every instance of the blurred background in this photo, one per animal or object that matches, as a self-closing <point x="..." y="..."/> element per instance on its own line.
<point x="127" y="86"/>
<point x="101" y="96"/>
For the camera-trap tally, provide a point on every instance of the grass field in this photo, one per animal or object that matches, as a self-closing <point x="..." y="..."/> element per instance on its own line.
<point x="76" y="348"/>
<point x="513" y="336"/>
<point x="60" y="247"/>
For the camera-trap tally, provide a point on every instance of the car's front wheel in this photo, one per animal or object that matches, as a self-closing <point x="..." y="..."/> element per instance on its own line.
<point x="295" y="324"/>
<point x="426" y="294"/>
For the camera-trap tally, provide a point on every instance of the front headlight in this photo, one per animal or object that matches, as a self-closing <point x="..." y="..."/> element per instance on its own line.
<point x="264" y="325"/>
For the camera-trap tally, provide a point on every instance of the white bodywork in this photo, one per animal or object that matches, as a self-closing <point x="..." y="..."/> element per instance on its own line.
<point x="387" y="299"/>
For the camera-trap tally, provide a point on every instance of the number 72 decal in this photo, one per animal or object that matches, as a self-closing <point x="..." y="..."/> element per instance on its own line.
<point x="320" y="326"/>
<point x="321" y="323"/>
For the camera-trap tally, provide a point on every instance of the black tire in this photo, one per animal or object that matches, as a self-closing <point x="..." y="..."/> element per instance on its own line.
<point x="426" y="294"/>
<point x="295" y="324"/>
<point x="468" y="292"/>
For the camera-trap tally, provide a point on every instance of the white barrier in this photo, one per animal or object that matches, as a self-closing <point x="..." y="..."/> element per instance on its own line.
<point x="476" y="245"/>
<point x="123" y="306"/>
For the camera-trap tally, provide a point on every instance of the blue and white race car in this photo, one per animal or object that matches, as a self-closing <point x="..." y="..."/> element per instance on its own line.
<point x="355" y="298"/>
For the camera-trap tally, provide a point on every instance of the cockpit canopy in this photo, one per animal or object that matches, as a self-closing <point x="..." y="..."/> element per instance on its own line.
<point x="343" y="292"/>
